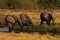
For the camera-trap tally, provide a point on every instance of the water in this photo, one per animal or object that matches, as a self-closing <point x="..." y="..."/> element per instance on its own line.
<point x="4" y="29"/>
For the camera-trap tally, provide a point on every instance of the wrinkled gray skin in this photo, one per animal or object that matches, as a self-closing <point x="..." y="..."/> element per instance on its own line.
<point x="26" y="21"/>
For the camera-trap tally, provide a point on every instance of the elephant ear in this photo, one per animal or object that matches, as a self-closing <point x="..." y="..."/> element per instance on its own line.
<point x="10" y="19"/>
<point x="46" y="16"/>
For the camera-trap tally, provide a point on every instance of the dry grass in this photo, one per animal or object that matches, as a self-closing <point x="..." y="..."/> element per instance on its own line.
<point x="25" y="36"/>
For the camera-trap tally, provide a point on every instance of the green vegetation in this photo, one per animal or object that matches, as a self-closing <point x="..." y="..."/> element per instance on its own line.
<point x="41" y="29"/>
<point x="49" y="3"/>
<point x="29" y="4"/>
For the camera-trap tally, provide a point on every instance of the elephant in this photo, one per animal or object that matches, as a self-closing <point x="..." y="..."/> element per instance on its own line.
<point x="4" y="22"/>
<point x="10" y="21"/>
<point x="26" y="21"/>
<point x="15" y="19"/>
<point x="46" y="16"/>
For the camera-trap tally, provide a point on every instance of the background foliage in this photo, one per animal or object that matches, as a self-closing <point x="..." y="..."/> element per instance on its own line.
<point x="29" y="4"/>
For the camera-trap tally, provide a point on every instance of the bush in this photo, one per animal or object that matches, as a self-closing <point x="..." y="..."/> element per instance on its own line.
<point x="17" y="29"/>
<point x="28" y="29"/>
<point x="41" y="29"/>
<point x="54" y="29"/>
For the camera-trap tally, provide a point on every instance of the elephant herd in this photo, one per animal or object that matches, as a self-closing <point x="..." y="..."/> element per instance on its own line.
<point x="23" y="20"/>
<point x="11" y="20"/>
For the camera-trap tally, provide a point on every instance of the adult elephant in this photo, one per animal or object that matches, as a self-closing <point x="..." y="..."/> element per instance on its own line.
<point x="26" y="21"/>
<point x="46" y="16"/>
<point x="13" y="19"/>
<point x="9" y="21"/>
<point x="4" y="21"/>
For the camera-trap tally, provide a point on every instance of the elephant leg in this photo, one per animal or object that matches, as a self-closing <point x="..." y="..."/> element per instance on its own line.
<point x="10" y="27"/>
<point x="41" y="22"/>
<point x="48" y="23"/>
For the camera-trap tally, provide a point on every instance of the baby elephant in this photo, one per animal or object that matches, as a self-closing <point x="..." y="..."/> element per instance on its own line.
<point x="26" y="21"/>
